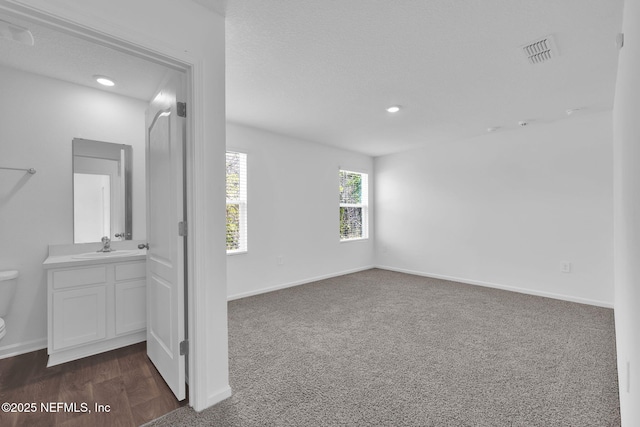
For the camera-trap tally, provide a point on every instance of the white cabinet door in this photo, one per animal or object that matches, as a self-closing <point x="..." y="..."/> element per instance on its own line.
<point x="79" y="316"/>
<point x="131" y="306"/>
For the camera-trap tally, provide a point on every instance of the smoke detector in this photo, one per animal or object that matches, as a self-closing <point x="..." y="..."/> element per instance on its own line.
<point x="541" y="50"/>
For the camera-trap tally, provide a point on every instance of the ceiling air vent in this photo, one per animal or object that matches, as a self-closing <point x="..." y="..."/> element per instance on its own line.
<point x="541" y="50"/>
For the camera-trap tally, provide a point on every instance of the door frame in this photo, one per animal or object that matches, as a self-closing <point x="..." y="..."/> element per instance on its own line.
<point x="207" y="350"/>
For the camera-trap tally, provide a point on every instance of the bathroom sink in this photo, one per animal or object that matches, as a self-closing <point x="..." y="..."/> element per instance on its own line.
<point x="112" y="254"/>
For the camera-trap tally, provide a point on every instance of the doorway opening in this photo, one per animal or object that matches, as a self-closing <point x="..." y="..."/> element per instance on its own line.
<point x="87" y="41"/>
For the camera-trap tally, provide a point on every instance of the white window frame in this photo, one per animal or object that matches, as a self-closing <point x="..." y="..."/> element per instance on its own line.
<point x="242" y="203"/>
<point x="364" y="204"/>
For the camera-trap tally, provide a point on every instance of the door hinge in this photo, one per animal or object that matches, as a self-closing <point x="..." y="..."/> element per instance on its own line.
<point x="182" y="228"/>
<point x="182" y="109"/>
<point x="184" y="347"/>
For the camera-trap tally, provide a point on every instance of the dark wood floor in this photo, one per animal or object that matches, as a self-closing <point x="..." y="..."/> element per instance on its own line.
<point x="125" y="379"/>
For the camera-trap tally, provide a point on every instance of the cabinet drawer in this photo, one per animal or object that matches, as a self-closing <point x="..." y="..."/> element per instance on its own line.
<point x="131" y="270"/>
<point x="79" y="276"/>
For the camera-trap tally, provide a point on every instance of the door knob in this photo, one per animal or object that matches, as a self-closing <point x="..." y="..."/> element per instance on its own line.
<point x="143" y="246"/>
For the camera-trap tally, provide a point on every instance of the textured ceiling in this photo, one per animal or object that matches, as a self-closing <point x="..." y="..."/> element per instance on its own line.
<point x="65" y="57"/>
<point x="326" y="70"/>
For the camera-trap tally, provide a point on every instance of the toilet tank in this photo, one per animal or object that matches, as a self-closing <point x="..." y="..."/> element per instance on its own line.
<point x="8" y="281"/>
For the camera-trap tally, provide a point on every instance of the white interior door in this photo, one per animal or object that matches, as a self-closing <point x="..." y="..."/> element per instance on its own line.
<point x="165" y="254"/>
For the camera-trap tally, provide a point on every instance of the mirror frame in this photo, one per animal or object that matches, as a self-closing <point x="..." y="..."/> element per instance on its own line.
<point x="128" y="185"/>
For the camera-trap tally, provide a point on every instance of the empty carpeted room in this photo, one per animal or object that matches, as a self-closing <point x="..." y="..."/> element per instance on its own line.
<point x="494" y="215"/>
<point x="430" y="214"/>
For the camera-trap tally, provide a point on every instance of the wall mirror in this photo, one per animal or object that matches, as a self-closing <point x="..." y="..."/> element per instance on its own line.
<point x="101" y="191"/>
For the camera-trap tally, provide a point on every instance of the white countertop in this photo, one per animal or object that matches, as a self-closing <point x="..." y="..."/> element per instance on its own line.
<point x="71" y="255"/>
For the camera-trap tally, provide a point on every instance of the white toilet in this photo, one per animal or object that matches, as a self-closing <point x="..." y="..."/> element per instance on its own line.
<point x="8" y="280"/>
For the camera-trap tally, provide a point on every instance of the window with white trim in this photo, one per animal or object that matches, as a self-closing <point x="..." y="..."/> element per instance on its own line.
<point x="354" y="205"/>
<point x="236" y="202"/>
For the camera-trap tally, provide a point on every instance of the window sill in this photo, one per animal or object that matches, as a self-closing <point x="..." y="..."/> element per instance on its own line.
<point x="230" y="253"/>
<point x="358" y="239"/>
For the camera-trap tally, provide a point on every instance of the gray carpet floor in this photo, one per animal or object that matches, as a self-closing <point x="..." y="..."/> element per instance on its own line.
<point x="379" y="348"/>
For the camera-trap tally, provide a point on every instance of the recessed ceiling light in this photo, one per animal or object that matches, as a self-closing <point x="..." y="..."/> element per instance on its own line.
<point x="394" y="108"/>
<point x="493" y="128"/>
<point x="104" y="81"/>
<point x="572" y="111"/>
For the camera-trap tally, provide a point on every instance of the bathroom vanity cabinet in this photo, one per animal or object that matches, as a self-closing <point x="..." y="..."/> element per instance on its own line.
<point x="95" y="307"/>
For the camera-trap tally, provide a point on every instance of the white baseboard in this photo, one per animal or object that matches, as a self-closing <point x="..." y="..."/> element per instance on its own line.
<point x="217" y="397"/>
<point x="296" y="283"/>
<point x="63" y="356"/>
<point x="22" y="347"/>
<point x="503" y="287"/>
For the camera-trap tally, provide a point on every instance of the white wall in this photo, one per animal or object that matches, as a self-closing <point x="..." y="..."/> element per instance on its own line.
<point x="40" y="118"/>
<point x="505" y="209"/>
<point x="293" y="212"/>
<point x="626" y="130"/>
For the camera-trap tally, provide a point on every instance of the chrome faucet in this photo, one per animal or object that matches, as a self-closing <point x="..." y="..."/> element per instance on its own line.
<point x="106" y="245"/>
